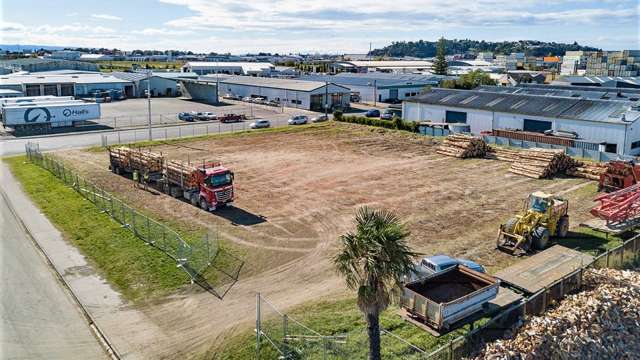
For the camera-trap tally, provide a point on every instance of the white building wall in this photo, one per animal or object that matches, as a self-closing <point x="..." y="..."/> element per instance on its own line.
<point x="282" y="95"/>
<point x="480" y="120"/>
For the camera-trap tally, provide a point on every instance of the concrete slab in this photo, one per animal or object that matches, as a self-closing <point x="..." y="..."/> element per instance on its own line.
<point x="544" y="268"/>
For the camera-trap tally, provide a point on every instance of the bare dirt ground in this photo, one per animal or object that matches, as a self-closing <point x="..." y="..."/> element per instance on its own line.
<point x="297" y="192"/>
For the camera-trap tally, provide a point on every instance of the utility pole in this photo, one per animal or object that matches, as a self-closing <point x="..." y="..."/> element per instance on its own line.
<point x="149" y="101"/>
<point x="375" y="93"/>
<point x="326" y="99"/>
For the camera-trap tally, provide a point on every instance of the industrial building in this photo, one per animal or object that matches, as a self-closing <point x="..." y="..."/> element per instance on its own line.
<point x="603" y="81"/>
<point x="78" y="85"/>
<point x="301" y="94"/>
<point x="581" y="92"/>
<point x="380" y="87"/>
<point x="35" y="65"/>
<point x="158" y="85"/>
<point x="398" y="66"/>
<point x="229" y="68"/>
<point x="611" y="126"/>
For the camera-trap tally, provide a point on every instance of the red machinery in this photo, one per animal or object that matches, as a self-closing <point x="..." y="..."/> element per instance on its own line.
<point x="620" y="174"/>
<point x="618" y="206"/>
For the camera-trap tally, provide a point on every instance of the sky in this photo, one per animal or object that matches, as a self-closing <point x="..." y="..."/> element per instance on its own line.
<point x="312" y="26"/>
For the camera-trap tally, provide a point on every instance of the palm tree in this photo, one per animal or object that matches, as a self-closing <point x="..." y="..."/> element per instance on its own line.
<point x="372" y="260"/>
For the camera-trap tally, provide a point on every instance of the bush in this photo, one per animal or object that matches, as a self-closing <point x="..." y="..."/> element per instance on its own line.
<point x="395" y="123"/>
<point x="337" y="115"/>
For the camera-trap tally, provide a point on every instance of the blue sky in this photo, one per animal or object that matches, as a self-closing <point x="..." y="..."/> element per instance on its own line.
<point x="291" y="26"/>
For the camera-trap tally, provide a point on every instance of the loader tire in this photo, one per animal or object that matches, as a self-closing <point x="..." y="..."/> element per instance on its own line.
<point x="510" y="225"/>
<point x="563" y="227"/>
<point x="204" y="205"/>
<point x="540" y="237"/>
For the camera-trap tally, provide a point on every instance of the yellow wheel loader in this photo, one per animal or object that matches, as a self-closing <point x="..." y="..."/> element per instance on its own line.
<point x="543" y="216"/>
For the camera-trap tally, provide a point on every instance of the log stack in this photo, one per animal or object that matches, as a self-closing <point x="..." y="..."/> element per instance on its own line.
<point x="502" y="154"/>
<point x="541" y="163"/>
<point x="463" y="146"/>
<point x="180" y="173"/>
<point x="601" y="322"/>
<point x="591" y="171"/>
<point x="141" y="160"/>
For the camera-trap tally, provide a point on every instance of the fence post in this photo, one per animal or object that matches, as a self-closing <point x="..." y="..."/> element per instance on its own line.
<point x="622" y="256"/>
<point x="635" y="249"/>
<point x="284" y="328"/>
<point x="133" y="222"/>
<point x="608" y="252"/>
<point x="148" y="230"/>
<point x="258" y="326"/>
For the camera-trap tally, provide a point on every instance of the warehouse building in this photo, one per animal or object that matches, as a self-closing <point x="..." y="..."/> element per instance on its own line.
<point x="36" y="64"/>
<point x="612" y="126"/>
<point x="78" y="85"/>
<point x="398" y="66"/>
<point x="229" y="68"/>
<point x="380" y="87"/>
<point x="158" y="85"/>
<point x="301" y="94"/>
<point x="604" y="81"/>
<point x="581" y="92"/>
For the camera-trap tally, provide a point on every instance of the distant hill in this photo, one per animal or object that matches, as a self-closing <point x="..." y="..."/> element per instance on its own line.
<point x="425" y="49"/>
<point x="21" y="48"/>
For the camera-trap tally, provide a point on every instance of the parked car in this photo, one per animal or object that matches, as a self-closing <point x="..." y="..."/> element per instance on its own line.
<point x="386" y="115"/>
<point x="435" y="264"/>
<point x="260" y="124"/>
<point x="185" y="116"/>
<point x="247" y="99"/>
<point x="319" y="118"/>
<point x="204" y="116"/>
<point x="298" y="120"/>
<point x="231" y="97"/>
<point x="372" y="113"/>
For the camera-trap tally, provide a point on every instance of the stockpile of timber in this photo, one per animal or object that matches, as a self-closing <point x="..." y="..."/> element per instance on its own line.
<point x="180" y="173"/>
<point x="142" y="160"/>
<point x="463" y="146"/>
<point x="601" y="322"/>
<point x="541" y="163"/>
<point x="502" y="154"/>
<point x="590" y="171"/>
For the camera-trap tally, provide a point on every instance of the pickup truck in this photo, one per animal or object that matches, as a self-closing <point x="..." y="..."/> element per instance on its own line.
<point x="447" y="297"/>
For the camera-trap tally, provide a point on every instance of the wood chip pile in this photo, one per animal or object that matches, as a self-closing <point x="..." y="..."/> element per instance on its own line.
<point x="602" y="322"/>
<point x="590" y="171"/>
<point x="463" y="146"/>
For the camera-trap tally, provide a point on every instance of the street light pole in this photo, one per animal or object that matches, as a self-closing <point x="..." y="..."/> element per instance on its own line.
<point x="149" y="101"/>
<point x="326" y="99"/>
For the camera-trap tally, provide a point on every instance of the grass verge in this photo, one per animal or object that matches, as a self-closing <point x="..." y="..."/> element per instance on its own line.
<point x="140" y="272"/>
<point x="334" y="317"/>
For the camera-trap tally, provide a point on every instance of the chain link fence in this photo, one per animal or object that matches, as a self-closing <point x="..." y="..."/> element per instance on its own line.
<point x="203" y="260"/>
<point x="278" y="335"/>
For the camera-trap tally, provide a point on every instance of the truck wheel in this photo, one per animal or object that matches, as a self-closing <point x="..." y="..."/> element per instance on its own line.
<point x="204" y="205"/>
<point x="540" y="237"/>
<point x="563" y="227"/>
<point x="510" y="225"/>
<point x="194" y="200"/>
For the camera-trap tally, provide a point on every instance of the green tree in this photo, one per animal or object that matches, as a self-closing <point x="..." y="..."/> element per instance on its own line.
<point x="372" y="260"/>
<point x="473" y="79"/>
<point x="440" y="64"/>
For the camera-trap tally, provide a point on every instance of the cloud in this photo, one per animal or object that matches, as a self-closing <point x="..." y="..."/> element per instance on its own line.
<point x="72" y="14"/>
<point x="106" y="17"/>
<point x="11" y="27"/>
<point x="161" y="31"/>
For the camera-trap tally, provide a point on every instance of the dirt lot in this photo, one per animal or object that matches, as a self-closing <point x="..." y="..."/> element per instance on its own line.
<point x="297" y="192"/>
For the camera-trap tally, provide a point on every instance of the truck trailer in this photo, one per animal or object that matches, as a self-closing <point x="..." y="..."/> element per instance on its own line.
<point x="208" y="185"/>
<point x="447" y="297"/>
<point x="48" y="114"/>
<point x="34" y="99"/>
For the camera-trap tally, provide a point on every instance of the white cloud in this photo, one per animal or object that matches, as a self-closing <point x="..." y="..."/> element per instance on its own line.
<point x="106" y="17"/>
<point x="161" y="31"/>
<point x="72" y="14"/>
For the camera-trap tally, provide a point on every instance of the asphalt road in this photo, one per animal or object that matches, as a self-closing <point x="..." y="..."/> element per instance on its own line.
<point x="38" y="319"/>
<point x="13" y="146"/>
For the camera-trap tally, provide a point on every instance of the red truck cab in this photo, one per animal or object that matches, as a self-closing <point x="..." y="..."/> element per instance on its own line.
<point x="216" y="187"/>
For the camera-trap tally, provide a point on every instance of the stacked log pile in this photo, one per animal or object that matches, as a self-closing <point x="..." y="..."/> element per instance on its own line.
<point x="142" y="160"/>
<point x="180" y="173"/>
<point x="541" y="163"/>
<point x="503" y="154"/>
<point x="602" y="322"/>
<point x="463" y="146"/>
<point x="590" y="171"/>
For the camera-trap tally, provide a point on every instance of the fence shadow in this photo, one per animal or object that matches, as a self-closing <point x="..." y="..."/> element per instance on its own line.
<point x="584" y="242"/>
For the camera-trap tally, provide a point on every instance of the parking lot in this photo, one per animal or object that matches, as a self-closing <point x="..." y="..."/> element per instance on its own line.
<point x="164" y="111"/>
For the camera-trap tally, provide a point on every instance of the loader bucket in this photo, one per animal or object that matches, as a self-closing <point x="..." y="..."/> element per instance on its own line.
<point x="509" y="243"/>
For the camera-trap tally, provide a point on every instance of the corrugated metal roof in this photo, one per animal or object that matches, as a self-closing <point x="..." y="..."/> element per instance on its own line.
<point x="276" y="83"/>
<point x="381" y="79"/>
<point x="597" y="93"/>
<point x="533" y="105"/>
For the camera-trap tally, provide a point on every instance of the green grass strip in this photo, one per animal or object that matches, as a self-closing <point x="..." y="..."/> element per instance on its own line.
<point x="139" y="271"/>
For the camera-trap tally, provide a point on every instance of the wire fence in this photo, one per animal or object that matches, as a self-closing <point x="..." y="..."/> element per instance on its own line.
<point x="206" y="263"/>
<point x="288" y="339"/>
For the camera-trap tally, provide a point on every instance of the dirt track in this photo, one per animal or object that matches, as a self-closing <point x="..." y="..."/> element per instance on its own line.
<point x="297" y="193"/>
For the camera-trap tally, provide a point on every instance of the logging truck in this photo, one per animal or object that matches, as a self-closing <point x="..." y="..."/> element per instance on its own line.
<point x="208" y="185"/>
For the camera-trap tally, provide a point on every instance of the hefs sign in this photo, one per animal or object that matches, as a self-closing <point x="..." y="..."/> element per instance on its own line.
<point x="38" y="114"/>
<point x="74" y="112"/>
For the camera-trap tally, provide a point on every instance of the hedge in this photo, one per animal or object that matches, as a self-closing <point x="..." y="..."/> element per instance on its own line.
<point x="395" y="123"/>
